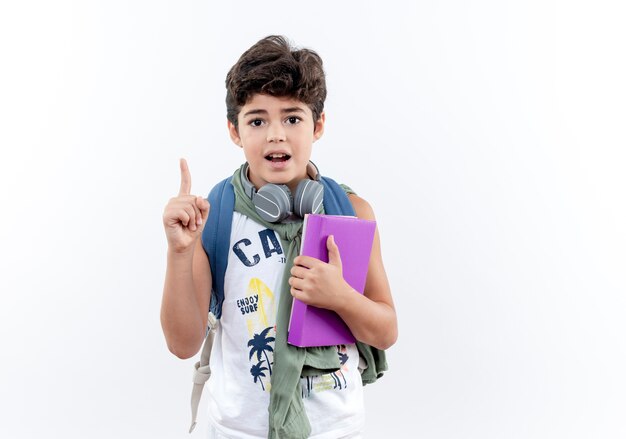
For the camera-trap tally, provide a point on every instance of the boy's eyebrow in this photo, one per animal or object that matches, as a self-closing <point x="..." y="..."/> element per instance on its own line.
<point x="292" y="110"/>
<point x="283" y="110"/>
<point x="251" y="112"/>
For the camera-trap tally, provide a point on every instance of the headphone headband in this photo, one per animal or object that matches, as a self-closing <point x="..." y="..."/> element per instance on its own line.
<point x="311" y="169"/>
<point x="275" y="202"/>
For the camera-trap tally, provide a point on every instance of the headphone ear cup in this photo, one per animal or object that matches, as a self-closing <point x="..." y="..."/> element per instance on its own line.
<point x="273" y="202"/>
<point x="308" y="198"/>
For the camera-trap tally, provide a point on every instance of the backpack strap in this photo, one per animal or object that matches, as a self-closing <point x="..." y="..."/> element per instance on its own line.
<point x="202" y="370"/>
<point x="216" y="239"/>
<point x="336" y="201"/>
<point x="216" y="242"/>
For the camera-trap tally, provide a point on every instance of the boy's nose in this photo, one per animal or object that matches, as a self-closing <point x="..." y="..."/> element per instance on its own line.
<point x="275" y="135"/>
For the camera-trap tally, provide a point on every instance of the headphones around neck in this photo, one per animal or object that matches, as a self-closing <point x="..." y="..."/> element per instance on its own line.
<point x="274" y="203"/>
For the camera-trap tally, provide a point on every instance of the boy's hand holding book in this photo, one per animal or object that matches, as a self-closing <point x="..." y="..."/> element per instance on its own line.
<point x="184" y="215"/>
<point x="318" y="283"/>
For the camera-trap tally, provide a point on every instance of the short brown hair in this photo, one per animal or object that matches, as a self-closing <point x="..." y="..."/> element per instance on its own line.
<point x="273" y="67"/>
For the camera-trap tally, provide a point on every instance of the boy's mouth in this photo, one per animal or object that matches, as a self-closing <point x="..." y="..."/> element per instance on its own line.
<point x="277" y="157"/>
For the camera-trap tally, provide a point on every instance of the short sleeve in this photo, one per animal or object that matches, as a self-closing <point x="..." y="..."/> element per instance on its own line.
<point x="348" y="190"/>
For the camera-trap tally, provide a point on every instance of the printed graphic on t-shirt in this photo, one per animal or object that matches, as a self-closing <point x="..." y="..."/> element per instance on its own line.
<point x="258" y="312"/>
<point x="332" y="381"/>
<point x="261" y="345"/>
<point x="259" y="253"/>
<point x="256" y="308"/>
<point x="270" y="246"/>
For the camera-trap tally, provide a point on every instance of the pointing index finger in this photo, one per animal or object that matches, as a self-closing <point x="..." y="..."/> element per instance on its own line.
<point x="185" y="178"/>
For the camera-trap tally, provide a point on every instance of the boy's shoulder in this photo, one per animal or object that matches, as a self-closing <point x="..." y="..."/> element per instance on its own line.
<point x="362" y="208"/>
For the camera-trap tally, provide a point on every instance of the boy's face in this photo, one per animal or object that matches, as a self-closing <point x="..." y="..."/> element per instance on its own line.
<point x="276" y="134"/>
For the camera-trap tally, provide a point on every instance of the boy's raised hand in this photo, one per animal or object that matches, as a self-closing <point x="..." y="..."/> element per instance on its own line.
<point x="184" y="215"/>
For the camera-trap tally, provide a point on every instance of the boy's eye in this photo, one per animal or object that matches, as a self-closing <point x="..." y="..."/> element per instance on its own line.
<point x="293" y="120"/>
<point x="256" y="122"/>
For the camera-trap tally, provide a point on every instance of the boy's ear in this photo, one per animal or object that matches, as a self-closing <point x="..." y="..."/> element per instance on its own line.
<point x="318" y="130"/>
<point x="234" y="134"/>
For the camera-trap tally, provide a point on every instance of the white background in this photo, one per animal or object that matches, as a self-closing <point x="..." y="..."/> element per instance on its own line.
<point x="488" y="136"/>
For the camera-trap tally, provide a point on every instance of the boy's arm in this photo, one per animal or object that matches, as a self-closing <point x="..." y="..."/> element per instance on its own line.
<point x="187" y="287"/>
<point x="186" y="298"/>
<point x="371" y="317"/>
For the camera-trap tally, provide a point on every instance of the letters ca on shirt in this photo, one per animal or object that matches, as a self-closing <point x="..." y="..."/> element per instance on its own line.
<point x="261" y="255"/>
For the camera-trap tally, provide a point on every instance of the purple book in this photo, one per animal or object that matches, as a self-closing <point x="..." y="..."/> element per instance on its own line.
<point x="312" y="326"/>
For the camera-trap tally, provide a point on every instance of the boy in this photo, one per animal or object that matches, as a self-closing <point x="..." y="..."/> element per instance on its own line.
<point x="275" y="101"/>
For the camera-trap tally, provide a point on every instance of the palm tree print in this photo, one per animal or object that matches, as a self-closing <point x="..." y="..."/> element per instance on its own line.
<point x="257" y="373"/>
<point x="334" y="380"/>
<point x="306" y="392"/>
<point x="260" y="344"/>
<point x="343" y="357"/>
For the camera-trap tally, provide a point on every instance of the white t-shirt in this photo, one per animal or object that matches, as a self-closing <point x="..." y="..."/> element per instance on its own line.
<point x="242" y="356"/>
